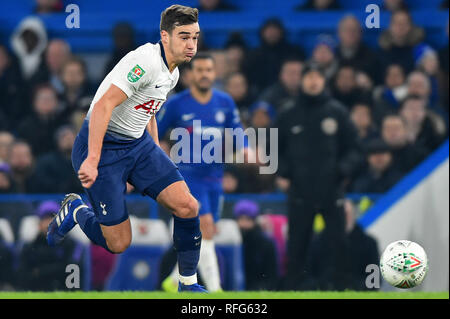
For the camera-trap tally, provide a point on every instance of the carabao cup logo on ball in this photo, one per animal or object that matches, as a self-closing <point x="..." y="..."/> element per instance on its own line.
<point x="404" y="264"/>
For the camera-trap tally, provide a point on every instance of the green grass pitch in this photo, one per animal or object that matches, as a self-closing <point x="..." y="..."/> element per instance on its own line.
<point x="225" y="295"/>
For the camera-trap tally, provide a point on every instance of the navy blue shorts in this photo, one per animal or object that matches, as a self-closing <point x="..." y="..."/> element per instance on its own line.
<point x="140" y="162"/>
<point x="209" y="194"/>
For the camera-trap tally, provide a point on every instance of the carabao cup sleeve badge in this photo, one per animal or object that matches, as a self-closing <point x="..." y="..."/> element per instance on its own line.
<point x="135" y="74"/>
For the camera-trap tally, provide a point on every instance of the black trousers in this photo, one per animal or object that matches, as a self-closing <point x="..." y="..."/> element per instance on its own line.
<point x="300" y="220"/>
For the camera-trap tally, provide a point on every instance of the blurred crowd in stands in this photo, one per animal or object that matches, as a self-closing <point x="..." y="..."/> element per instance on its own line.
<point x="396" y="93"/>
<point x="396" y="96"/>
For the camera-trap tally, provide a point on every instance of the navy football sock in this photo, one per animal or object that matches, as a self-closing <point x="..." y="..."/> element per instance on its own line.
<point x="187" y="240"/>
<point x="91" y="227"/>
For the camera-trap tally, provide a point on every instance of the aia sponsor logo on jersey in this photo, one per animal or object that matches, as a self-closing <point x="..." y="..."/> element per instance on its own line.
<point x="151" y="106"/>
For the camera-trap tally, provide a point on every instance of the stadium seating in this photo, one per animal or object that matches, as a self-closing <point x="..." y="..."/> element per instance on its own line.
<point x="138" y="267"/>
<point x="6" y="232"/>
<point x="229" y="252"/>
<point x="28" y="231"/>
<point x="94" y="34"/>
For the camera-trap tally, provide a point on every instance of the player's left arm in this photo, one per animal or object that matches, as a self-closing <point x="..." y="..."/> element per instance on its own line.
<point x="152" y="128"/>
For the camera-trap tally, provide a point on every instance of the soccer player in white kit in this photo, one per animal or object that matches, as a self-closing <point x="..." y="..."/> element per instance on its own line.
<point x="118" y="143"/>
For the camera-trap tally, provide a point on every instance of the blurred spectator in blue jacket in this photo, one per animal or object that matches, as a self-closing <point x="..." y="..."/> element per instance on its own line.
<point x="427" y="61"/>
<point x="324" y="55"/>
<point x="388" y="97"/>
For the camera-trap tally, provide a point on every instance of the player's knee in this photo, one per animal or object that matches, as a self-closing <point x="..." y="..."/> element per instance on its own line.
<point x="119" y="246"/>
<point x="188" y="208"/>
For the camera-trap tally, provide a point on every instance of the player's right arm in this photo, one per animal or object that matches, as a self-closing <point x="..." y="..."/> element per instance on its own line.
<point x="98" y="124"/>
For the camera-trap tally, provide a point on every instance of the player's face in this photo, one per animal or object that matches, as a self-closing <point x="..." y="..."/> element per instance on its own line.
<point x="182" y="42"/>
<point x="203" y="74"/>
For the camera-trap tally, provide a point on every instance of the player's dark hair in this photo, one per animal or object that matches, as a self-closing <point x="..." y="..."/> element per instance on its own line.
<point x="177" y="15"/>
<point x="201" y="56"/>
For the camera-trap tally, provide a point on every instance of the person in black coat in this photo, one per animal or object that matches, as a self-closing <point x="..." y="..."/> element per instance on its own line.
<point x="380" y="175"/>
<point x="263" y="64"/>
<point x="283" y="93"/>
<point x="13" y="101"/>
<point x="39" y="126"/>
<point x="425" y="129"/>
<point x="260" y="256"/>
<point x="54" y="169"/>
<point x="398" y="41"/>
<point x="352" y="51"/>
<point x="363" y="251"/>
<point x="406" y="156"/>
<point x="318" y="150"/>
<point x="345" y="88"/>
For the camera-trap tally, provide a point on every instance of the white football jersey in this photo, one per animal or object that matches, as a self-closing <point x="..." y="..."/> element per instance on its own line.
<point x="143" y="75"/>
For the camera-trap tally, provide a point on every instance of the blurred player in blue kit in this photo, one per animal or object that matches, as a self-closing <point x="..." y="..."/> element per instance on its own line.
<point x="202" y="111"/>
<point x="119" y="143"/>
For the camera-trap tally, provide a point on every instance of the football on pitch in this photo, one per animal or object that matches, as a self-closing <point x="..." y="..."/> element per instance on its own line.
<point x="404" y="264"/>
